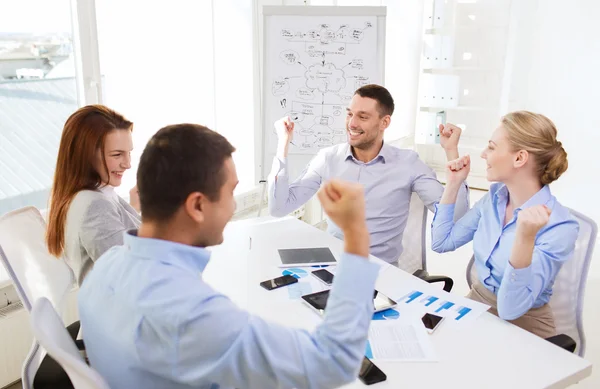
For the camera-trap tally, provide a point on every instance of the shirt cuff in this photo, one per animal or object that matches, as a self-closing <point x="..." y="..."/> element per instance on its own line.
<point x="443" y="212"/>
<point x="279" y="168"/>
<point x="355" y="277"/>
<point x="517" y="278"/>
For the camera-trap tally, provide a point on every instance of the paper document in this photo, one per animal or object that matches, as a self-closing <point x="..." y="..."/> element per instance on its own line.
<point x="399" y="340"/>
<point x="456" y="308"/>
<point x="415" y="298"/>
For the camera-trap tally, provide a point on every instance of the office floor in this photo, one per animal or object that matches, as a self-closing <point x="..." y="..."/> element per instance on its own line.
<point x="454" y="265"/>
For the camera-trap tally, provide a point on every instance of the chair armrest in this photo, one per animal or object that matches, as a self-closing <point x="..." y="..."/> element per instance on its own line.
<point x="563" y="341"/>
<point x="73" y="330"/>
<point x="80" y="345"/>
<point x="422" y="274"/>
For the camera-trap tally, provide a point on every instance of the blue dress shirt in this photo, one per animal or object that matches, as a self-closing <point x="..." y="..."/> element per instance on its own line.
<point x="150" y="321"/>
<point x="389" y="180"/>
<point x="518" y="290"/>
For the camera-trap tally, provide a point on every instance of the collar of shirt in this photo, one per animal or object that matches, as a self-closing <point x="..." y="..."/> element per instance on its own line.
<point x="542" y="197"/>
<point x="177" y="254"/>
<point x="384" y="154"/>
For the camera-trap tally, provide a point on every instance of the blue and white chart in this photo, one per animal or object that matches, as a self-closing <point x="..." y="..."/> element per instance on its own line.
<point x="295" y="272"/>
<point x="306" y="284"/>
<point x="456" y="308"/>
<point x="388" y="314"/>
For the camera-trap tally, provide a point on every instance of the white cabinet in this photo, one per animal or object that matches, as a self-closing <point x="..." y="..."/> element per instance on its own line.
<point x="462" y="78"/>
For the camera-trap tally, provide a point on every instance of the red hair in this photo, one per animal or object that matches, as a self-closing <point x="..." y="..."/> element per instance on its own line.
<point x="84" y="133"/>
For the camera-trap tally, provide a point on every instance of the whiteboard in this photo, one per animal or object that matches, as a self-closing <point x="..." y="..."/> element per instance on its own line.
<point x="314" y="58"/>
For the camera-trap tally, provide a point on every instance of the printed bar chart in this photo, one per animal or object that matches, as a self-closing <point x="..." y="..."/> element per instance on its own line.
<point x="443" y="304"/>
<point x="412" y="296"/>
<point x="429" y="300"/>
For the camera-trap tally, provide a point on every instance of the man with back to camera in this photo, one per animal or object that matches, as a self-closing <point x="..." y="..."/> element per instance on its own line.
<point x="150" y="321"/>
<point x="388" y="174"/>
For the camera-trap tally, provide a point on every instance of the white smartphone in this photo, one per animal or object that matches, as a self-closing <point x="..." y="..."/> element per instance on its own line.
<point x="431" y="322"/>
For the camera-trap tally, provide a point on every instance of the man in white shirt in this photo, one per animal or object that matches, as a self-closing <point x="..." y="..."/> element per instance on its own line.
<point x="388" y="174"/>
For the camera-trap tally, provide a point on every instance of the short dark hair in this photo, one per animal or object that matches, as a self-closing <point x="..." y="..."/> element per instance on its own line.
<point x="179" y="160"/>
<point x="385" y="102"/>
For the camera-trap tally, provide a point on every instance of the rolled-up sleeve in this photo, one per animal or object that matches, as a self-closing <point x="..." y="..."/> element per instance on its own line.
<point x="285" y="197"/>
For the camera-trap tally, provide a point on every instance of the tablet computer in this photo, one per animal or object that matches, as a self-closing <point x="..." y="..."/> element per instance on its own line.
<point x="306" y="257"/>
<point x="318" y="301"/>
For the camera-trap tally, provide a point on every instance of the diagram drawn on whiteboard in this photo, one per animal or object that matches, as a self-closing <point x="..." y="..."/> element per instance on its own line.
<point x="313" y="78"/>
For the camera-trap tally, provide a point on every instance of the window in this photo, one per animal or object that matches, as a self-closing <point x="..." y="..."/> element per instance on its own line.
<point x="191" y="61"/>
<point x="161" y="63"/>
<point x="234" y="83"/>
<point x="188" y="61"/>
<point x="38" y="91"/>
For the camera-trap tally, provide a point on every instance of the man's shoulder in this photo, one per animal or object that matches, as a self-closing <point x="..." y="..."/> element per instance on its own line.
<point x="395" y="154"/>
<point x="99" y="278"/>
<point x="331" y="155"/>
<point x="150" y="282"/>
<point x="340" y="149"/>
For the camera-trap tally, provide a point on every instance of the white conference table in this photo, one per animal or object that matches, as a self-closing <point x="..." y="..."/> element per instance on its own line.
<point x="487" y="353"/>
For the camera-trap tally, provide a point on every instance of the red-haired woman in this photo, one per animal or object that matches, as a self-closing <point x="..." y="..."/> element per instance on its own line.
<point x="86" y="216"/>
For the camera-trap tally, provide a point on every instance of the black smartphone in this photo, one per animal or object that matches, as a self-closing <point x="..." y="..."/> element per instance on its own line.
<point x="279" y="282"/>
<point x="431" y="321"/>
<point x="369" y="373"/>
<point x="318" y="301"/>
<point x="323" y="275"/>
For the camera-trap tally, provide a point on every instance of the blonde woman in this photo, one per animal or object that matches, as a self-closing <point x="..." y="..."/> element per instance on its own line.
<point x="521" y="234"/>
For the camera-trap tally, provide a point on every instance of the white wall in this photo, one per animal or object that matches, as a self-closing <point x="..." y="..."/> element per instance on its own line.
<point x="556" y="73"/>
<point x="157" y="69"/>
<point x="404" y="23"/>
<point x="181" y="61"/>
<point x="403" y="58"/>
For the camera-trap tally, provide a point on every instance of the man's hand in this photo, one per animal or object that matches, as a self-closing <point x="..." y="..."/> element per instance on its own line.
<point x="449" y="137"/>
<point x="344" y="203"/>
<point x="284" y="128"/>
